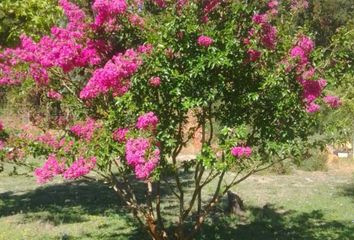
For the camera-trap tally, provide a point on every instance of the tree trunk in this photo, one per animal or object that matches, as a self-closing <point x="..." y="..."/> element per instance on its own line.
<point x="235" y="204"/>
<point x="153" y="228"/>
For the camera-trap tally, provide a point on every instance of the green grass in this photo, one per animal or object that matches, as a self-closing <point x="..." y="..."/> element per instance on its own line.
<point x="303" y="205"/>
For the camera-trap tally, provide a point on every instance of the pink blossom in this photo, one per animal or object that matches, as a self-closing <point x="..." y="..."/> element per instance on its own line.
<point x="136" y="20"/>
<point x="2" y="145"/>
<point x="306" y="44"/>
<point x="260" y="18"/>
<point x="49" y="140"/>
<point x="332" y="101"/>
<point x="312" y="89"/>
<point x="52" y="94"/>
<point x="309" y="74"/>
<point x="155" y="81"/>
<point x="298" y="53"/>
<point x="240" y="151"/>
<point x="247" y="151"/>
<point x="273" y="4"/>
<point x="107" y="10"/>
<point x="50" y="169"/>
<point x="75" y="15"/>
<point x="160" y="3"/>
<point x="269" y="36"/>
<point x="181" y="4"/>
<point x="251" y="32"/>
<point x="299" y="5"/>
<point x="66" y="48"/>
<point x="39" y="74"/>
<point x="85" y="130"/>
<point x="312" y="107"/>
<point x="210" y="6"/>
<point x="140" y="157"/>
<point x="145" y="49"/>
<point x="114" y="75"/>
<point x="61" y="121"/>
<point x="9" y="76"/>
<point x="273" y="11"/>
<point x="80" y="168"/>
<point x="143" y="171"/>
<point x="67" y="148"/>
<point x="253" y="55"/>
<point x="205" y="41"/>
<point x="119" y="135"/>
<point x="268" y="33"/>
<point x="1" y="126"/>
<point x="246" y="41"/>
<point x="147" y="121"/>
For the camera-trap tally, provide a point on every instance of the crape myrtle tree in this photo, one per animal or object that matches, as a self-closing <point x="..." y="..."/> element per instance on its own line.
<point x="119" y="84"/>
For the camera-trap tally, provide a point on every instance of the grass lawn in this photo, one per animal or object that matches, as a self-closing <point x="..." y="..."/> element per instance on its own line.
<point x="303" y="205"/>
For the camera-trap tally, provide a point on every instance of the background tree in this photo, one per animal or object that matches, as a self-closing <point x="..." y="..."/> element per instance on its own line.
<point x="31" y="17"/>
<point x="324" y="17"/>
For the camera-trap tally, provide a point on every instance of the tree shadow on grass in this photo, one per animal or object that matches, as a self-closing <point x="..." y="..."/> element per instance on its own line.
<point x="69" y="203"/>
<point x="75" y="202"/>
<point x="269" y="223"/>
<point x="86" y="197"/>
<point x="348" y="190"/>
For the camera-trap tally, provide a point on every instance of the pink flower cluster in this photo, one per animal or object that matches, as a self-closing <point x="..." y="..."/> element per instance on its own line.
<point x="267" y="34"/>
<point x="136" y="20"/>
<point x="66" y="48"/>
<point x="120" y="134"/>
<point x="52" y="94"/>
<point x="332" y="101"/>
<point x="2" y="144"/>
<point x="273" y="4"/>
<point x="50" y="169"/>
<point x="240" y="151"/>
<point x="260" y="19"/>
<point x="312" y="89"/>
<point x="273" y="7"/>
<point x="302" y="50"/>
<point x="155" y="81"/>
<point x="180" y="4"/>
<point x="85" y="130"/>
<point x="8" y="76"/>
<point x="210" y="6"/>
<point x="160" y="3"/>
<point x="107" y="10"/>
<point x="74" y="14"/>
<point x="115" y="74"/>
<point x="80" y="168"/>
<point x="147" y="121"/>
<point x="49" y="140"/>
<point x="205" y="41"/>
<point x="141" y="157"/>
<point x="299" y="5"/>
<point x="253" y="55"/>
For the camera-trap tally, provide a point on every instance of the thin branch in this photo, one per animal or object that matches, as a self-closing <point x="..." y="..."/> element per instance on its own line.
<point x="171" y="188"/>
